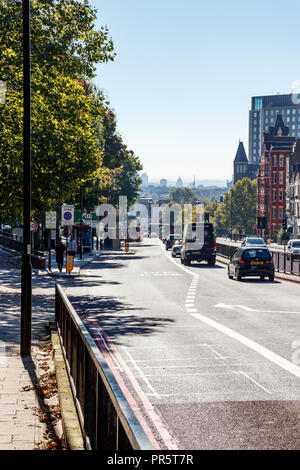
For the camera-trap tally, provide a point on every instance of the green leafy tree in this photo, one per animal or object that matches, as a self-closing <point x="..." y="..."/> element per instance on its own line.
<point x="67" y="130"/>
<point x="238" y="210"/>
<point x="183" y="196"/>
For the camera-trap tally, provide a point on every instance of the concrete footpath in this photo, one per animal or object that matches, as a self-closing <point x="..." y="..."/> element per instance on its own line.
<point x="30" y="405"/>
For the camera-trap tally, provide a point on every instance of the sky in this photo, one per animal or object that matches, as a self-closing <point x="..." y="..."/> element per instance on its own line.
<point x="185" y="71"/>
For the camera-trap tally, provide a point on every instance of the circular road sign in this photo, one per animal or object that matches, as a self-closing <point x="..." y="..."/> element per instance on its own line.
<point x="33" y="226"/>
<point x="68" y="215"/>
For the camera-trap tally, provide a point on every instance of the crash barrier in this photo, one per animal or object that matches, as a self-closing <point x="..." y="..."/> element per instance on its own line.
<point x="107" y="420"/>
<point x="38" y="259"/>
<point x="283" y="262"/>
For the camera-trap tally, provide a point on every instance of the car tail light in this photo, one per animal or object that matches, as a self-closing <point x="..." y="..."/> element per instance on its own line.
<point x="241" y="261"/>
<point x="215" y="246"/>
<point x="270" y="263"/>
<point x="186" y="246"/>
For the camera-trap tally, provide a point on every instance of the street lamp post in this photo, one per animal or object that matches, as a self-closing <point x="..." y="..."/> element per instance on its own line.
<point x="26" y="289"/>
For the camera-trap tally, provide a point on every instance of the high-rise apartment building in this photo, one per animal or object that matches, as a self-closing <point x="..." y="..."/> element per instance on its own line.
<point x="262" y="115"/>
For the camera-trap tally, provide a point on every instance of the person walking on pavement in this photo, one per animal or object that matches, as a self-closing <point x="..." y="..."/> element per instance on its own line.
<point x="72" y="247"/>
<point x="60" y="250"/>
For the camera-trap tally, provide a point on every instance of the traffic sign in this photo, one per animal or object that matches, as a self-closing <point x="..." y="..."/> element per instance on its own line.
<point x="50" y="220"/>
<point x="67" y="215"/>
<point x="33" y="226"/>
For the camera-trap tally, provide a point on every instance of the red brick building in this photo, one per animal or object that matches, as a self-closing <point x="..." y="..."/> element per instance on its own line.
<point x="277" y="147"/>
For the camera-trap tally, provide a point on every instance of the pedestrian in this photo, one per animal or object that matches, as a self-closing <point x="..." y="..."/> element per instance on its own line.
<point x="60" y="250"/>
<point x="72" y="247"/>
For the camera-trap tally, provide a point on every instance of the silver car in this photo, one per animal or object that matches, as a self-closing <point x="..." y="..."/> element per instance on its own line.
<point x="293" y="248"/>
<point x="253" y="241"/>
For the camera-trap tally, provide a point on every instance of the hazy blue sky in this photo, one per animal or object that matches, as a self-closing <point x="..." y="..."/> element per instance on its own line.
<point x="185" y="72"/>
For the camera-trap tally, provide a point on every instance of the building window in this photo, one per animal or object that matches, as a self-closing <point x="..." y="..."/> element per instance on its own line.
<point x="275" y="160"/>
<point x="281" y="160"/>
<point x="274" y="178"/>
<point x="294" y="111"/>
<point x="280" y="195"/>
<point x="280" y="213"/>
<point x="281" y="177"/>
<point x="274" y="195"/>
<point x="287" y="119"/>
<point x="274" y="212"/>
<point x="293" y="127"/>
<point x="254" y="144"/>
<point x="293" y="119"/>
<point x="266" y="112"/>
<point x="288" y="111"/>
<point x="266" y="120"/>
<point x="254" y="152"/>
<point x="258" y="103"/>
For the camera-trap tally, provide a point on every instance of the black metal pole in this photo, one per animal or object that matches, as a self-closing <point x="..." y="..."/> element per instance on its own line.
<point x="26" y="289"/>
<point x="81" y="209"/>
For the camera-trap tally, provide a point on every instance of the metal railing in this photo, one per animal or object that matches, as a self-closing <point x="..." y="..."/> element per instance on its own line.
<point x="283" y="262"/>
<point x="107" y="420"/>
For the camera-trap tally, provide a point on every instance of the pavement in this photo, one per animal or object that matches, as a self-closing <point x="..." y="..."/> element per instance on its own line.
<point x="25" y="392"/>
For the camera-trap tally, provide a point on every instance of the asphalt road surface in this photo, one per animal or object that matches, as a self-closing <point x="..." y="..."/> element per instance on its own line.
<point x="207" y="362"/>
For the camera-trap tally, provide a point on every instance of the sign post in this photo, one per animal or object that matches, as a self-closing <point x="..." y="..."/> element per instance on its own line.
<point x="67" y="215"/>
<point x="50" y="225"/>
<point x="26" y="282"/>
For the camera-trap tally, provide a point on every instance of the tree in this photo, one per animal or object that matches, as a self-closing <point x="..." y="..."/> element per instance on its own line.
<point x="238" y="209"/>
<point x="119" y="173"/>
<point x="67" y="131"/>
<point x="183" y="196"/>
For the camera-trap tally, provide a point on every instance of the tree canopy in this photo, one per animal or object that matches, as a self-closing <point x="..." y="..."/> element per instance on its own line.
<point x="74" y="138"/>
<point x="238" y="210"/>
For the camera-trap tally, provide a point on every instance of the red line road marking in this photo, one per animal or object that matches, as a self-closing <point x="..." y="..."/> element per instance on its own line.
<point x="168" y="440"/>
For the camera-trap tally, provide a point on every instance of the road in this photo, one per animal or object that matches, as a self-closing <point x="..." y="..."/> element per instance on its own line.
<point x="209" y="361"/>
<point x="206" y="362"/>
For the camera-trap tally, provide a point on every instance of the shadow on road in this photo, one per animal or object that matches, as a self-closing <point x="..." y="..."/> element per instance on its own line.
<point x="113" y="315"/>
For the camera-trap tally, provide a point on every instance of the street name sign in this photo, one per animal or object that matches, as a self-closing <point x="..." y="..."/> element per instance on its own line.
<point x="50" y="220"/>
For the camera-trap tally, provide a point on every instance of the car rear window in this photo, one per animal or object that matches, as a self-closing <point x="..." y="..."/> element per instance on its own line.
<point x="263" y="255"/>
<point x="296" y="244"/>
<point x="255" y="241"/>
<point x="203" y="231"/>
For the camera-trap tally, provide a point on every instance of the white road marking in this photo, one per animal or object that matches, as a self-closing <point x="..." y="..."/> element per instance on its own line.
<point x="140" y="372"/>
<point x="175" y="262"/>
<point x="218" y="354"/>
<point x="250" y="378"/>
<point x="191" y="310"/>
<point x="270" y="355"/>
<point x="249" y="309"/>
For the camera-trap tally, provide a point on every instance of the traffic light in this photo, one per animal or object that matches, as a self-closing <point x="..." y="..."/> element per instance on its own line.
<point x="284" y="224"/>
<point x="206" y="216"/>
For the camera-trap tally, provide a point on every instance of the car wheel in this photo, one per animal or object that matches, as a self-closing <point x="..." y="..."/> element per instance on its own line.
<point x="229" y="275"/>
<point x="187" y="262"/>
<point x="271" y="277"/>
<point x="237" y="275"/>
<point x="181" y="260"/>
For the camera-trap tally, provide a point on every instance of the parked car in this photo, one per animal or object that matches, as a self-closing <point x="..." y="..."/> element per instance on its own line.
<point x="247" y="261"/>
<point x="203" y="249"/>
<point x="293" y="248"/>
<point x="250" y="241"/>
<point x="176" y="250"/>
